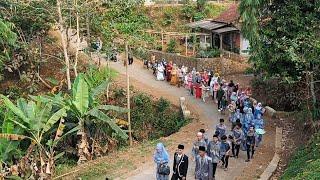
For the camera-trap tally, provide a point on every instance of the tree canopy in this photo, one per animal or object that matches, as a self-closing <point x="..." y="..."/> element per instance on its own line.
<point x="284" y="36"/>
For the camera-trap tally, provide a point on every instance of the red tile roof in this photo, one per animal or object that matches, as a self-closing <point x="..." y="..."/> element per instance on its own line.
<point x="231" y="15"/>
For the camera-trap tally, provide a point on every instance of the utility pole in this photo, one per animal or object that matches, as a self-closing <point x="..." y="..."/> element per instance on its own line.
<point x="128" y="93"/>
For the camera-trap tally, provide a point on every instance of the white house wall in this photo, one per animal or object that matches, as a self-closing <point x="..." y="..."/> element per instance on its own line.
<point x="244" y="45"/>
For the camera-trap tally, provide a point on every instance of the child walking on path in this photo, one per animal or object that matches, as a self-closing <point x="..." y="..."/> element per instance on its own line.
<point x="224" y="151"/>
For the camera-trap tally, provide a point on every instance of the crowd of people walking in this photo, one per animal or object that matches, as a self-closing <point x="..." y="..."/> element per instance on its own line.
<point x="245" y="117"/>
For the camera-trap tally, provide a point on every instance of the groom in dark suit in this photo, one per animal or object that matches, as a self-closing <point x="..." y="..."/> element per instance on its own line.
<point x="180" y="164"/>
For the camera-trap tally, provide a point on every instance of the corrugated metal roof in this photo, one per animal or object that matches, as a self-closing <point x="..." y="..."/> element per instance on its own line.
<point x="225" y="29"/>
<point x="206" y="24"/>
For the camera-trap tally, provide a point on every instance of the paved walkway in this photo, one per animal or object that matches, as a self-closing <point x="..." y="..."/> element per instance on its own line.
<point x="207" y="112"/>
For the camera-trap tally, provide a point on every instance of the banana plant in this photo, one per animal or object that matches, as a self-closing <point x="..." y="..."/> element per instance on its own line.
<point x="36" y="118"/>
<point x="83" y="104"/>
<point x="9" y="146"/>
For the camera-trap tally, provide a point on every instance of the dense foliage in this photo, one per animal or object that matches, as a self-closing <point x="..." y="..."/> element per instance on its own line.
<point x="305" y="164"/>
<point x="284" y="36"/>
<point x="285" y="47"/>
<point x="285" y="43"/>
<point x="121" y="22"/>
<point x="40" y="121"/>
<point x="209" y="53"/>
<point x="154" y="119"/>
<point x="172" y="45"/>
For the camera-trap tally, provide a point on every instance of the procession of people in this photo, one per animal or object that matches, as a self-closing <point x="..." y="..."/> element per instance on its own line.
<point x="244" y="115"/>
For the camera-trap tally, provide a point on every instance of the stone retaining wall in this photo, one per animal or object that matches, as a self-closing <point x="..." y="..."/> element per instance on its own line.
<point x="234" y="56"/>
<point x="268" y="172"/>
<point x="186" y="113"/>
<point x="221" y="65"/>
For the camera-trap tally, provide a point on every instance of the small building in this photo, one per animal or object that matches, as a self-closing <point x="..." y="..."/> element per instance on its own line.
<point x="224" y="31"/>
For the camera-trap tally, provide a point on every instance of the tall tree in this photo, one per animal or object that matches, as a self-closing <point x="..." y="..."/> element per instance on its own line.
<point x="284" y="39"/>
<point x="62" y="30"/>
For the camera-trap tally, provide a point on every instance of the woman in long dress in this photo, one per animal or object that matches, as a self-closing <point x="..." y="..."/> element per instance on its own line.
<point x="160" y="70"/>
<point x="197" y="86"/>
<point x="161" y="157"/>
<point x="174" y="75"/>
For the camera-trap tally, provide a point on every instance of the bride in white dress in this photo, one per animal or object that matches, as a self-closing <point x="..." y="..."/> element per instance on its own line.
<point x="160" y="70"/>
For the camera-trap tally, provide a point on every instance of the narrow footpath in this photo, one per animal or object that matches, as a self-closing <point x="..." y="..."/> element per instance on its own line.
<point x="143" y="80"/>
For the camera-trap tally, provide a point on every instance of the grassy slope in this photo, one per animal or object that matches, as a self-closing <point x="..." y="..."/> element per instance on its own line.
<point x="305" y="164"/>
<point x="178" y="22"/>
<point x="171" y="19"/>
<point x="105" y="166"/>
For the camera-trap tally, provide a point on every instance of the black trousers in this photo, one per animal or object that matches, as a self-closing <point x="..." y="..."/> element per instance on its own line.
<point x="225" y="160"/>
<point x="250" y="149"/>
<point x="219" y="103"/>
<point x="214" y="167"/>
<point x="130" y="61"/>
<point x="175" y="177"/>
<point x="235" y="149"/>
<point x="191" y="90"/>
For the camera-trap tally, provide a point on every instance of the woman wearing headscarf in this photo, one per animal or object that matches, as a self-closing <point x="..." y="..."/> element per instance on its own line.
<point x="216" y="87"/>
<point x="160" y="71"/>
<point x="247" y="120"/>
<point x="234" y="97"/>
<point x="205" y="77"/>
<point x="258" y="110"/>
<point x="161" y="157"/>
<point x="174" y="75"/>
<point x="168" y="71"/>
<point x="237" y="115"/>
<point x="232" y="108"/>
<point x="197" y="85"/>
<point x="259" y="127"/>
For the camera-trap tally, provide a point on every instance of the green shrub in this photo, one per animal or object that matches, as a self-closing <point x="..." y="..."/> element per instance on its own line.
<point x="212" y="10"/>
<point x="154" y="119"/>
<point x="168" y="16"/>
<point x="172" y="46"/>
<point x="199" y="16"/>
<point x="306" y="162"/>
<point x="188" y="11"/>
<point x="201" y="5"/>
<point x="210" y="53"/>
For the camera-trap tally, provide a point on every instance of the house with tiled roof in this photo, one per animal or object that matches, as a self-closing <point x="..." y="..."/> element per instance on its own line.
<point x="225" y="32"/>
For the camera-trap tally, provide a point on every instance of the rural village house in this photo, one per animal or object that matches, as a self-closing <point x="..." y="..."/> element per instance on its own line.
<point x="224" y="32"/>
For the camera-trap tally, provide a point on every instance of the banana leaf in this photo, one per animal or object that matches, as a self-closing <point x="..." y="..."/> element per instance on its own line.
<point x="103" y="117"/>
<point x="14" y="109"/>
<point x="81" y="98"/>
<point x="113" y="108"/>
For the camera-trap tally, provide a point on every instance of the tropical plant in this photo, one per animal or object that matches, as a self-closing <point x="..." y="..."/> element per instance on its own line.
<point x="36" y="118"/>
<point x="30" y="21"/>
<point x="9" y="150"/>
<point x="7" y="43"/>
<point x="84" y="106"/>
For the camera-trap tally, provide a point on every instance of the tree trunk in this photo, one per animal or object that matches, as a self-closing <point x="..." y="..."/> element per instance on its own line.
<point x="64" y="45"/>
<point x="88" y="26"/>
<point x="128" y="94"/>
<point x="83" y="144"/>
<point x="313" y="93"/>
<point x="78" y="41"/>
